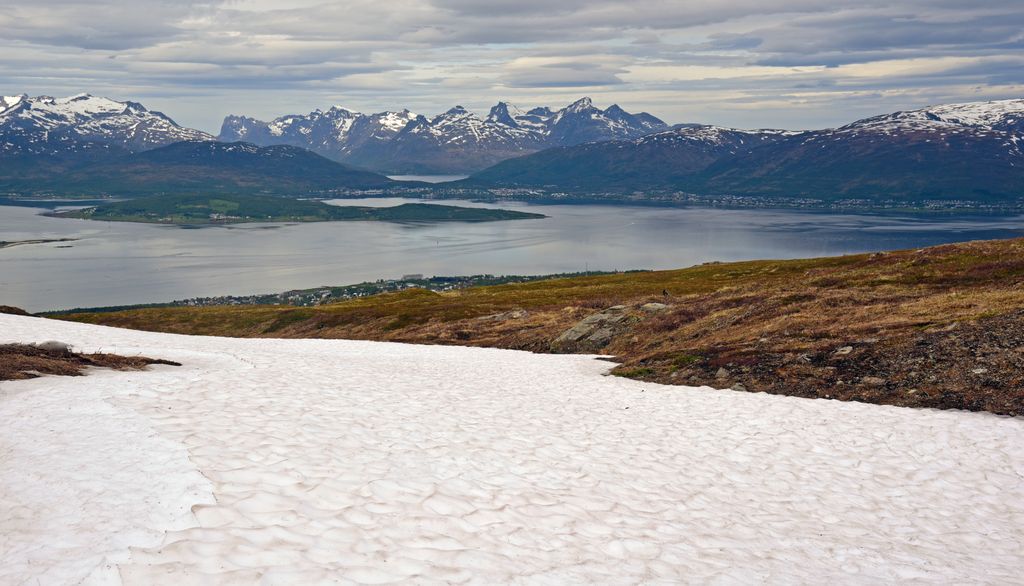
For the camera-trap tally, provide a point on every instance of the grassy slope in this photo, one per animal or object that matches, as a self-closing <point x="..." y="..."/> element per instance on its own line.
<point x="937" y="327"/>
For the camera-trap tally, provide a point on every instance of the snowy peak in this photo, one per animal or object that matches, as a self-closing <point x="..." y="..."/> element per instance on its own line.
<point x="11" y="102"/>
<point x="581" y="122"/>
<point x="581" y="105"/>
<point x="710" y="136"/>
<point x="332" y="133"/>
<point x="503" y="113"/>
<point x="994" y="116"/>
<point x="391" y="141"/>
<point x="45" y="124"/>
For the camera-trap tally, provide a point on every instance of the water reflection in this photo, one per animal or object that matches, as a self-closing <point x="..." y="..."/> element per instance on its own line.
<point x="120" y="263"/>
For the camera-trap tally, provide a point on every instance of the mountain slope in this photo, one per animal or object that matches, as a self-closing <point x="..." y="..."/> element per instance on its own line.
<point x="969" y="151"/>
<point x="43" y="137"/>
<point x="658" y="160"/>
<point x="957" y="151"/>
<point x="212" y="167"/>
<point x="455" y="141"/>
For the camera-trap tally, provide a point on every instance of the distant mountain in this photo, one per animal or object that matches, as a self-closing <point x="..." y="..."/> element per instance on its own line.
<point x="453" y="142"/>
<point x="956" y="151"/>
<point x="671" y="158"/>
<point x="44" y="136"/>
<point x="959" y="151"/>
<point x="46" y="125"/>
<point x="211" y="167"/>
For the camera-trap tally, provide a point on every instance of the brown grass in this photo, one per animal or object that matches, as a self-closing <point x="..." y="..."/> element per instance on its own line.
<point x="19" y="362"/>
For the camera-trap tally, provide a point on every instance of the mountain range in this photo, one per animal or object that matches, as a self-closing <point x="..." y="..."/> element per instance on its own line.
<point x="457" y="141"/>
<point x="90" y="145"/>
<point x="972" y="151"/>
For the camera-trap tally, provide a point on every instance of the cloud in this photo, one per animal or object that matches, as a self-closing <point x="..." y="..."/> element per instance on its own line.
<point x="735" y="62"/>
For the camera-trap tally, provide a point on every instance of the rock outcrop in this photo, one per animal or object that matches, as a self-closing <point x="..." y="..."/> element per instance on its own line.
<point x="595" y="331"/>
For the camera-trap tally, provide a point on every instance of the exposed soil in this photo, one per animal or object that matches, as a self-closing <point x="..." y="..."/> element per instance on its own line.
<point x="977" y="366"/>
<point x="19" y="362"/>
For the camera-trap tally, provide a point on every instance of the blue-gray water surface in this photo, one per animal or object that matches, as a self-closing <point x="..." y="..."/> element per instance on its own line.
<point x="116" y="263"/>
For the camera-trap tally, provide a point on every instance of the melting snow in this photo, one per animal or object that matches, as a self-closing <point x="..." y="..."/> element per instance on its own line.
<point x="368" y="462"/>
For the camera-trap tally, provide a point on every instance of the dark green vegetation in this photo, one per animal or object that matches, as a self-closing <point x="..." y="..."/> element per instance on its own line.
<point x="228" y="209"/>
<point x="937" y="327"/>
<point x="186" y="167"/>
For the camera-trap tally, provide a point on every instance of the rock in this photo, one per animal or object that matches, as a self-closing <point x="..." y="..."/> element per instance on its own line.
<point x="843" y="351"/>
<point x="653" y="307"/>
<point x="53" y="346"/>
<point x="595" y="331"/>
<point x="722" y="373"/>
<point x="13" y="310"/>
<point x="515" y="314"/>
<point x="739" y="387"/>
<point x="979" y="370"/>
<point x="873" y="381"/>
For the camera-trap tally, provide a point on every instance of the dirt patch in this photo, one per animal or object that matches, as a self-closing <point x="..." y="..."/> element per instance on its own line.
<point x="20" y="361"/>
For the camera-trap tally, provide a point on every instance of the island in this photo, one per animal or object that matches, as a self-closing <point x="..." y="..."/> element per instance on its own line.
<point x="233" y="209"/>
<point x="10" y="243"/>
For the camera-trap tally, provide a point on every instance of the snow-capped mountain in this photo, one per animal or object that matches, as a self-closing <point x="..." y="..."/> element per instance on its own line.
<point x="972" y="151"/>
<point x="582" y="122"/>
<point x="954" y="151"/>
<point x="455" y="141"/>
<point x="336" y="132"/>
<point x="46" y="125"/>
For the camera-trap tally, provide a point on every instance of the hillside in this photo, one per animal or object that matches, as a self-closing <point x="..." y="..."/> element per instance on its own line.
<point x="232" y="209"/>
<point x="667" y="159"/>
<point x="214" y="168"/>
<point x="937" y="327"/>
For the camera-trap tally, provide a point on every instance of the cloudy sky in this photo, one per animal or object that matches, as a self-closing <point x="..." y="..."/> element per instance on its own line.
<point x="744" y="63"/>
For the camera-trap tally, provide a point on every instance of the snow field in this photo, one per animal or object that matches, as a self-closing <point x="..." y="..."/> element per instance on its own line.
<point x="360" y="462"/>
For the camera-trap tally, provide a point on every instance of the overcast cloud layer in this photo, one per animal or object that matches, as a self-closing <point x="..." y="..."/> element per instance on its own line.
<point x="745" y="63"/>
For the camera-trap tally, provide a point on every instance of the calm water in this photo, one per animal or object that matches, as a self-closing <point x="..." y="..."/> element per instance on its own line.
<point x="120" y="263"/>
<point x="428" y="178"/>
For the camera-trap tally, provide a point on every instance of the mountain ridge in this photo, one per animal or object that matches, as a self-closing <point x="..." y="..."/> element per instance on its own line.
<point x="454" y="141"/>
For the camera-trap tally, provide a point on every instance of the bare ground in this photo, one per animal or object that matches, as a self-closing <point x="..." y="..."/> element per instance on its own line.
<point x="20" y="361"/>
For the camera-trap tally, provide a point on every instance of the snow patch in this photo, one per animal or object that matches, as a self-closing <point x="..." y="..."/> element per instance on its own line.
<point x="369" y="462"/>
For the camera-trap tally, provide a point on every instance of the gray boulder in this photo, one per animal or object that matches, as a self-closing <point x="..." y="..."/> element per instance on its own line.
<point x="595" y="331"/>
